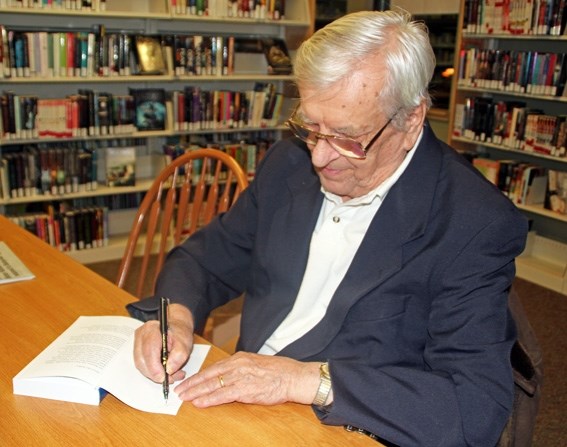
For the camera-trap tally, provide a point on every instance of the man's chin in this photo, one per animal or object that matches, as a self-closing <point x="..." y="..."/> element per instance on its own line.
<point x="334" y="187"/>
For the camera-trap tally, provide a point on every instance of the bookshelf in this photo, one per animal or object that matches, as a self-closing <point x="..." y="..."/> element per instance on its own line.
<point x="162" y="18"/>
<point x="441" y="18"/>
<point x="510" y="80"/>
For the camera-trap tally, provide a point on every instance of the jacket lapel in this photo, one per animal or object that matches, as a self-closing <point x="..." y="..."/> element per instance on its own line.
<point x="401" y="218"/>
<point x="290" y="237"/>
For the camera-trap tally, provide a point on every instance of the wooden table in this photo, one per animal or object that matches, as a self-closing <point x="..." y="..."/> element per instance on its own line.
<point x="35" y="312"/>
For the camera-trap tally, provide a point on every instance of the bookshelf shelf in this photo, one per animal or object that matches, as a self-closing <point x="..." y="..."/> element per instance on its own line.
<point x="544" y="212"/>
<point x="531" y="96"/>
<point x="521" y="153"/>
<point x="229" y="130"/>
<point x="141" y="134"/>
<point x="149" y="78"/>
<point x="489" y="106"/>
<point x="114" y="250"/>
<point x="544" y="262"/>
<point x="138" y="17"/>
<point x="102" y="190"/>
<point x="503" y="36"/>
<point x="298" y="15"/>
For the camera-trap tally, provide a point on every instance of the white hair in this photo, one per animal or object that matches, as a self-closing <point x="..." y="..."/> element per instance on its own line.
<point x="335" y="51"/>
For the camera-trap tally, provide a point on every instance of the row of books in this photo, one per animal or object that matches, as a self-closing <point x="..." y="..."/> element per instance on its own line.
<point x="247" y="154"/>
<point x="113" y="202"/>
<point x="254" y="9"/>
<point x="68" y="229"/>
<point x="72" y="167"/>
<point x="53" y="171"/>
<point x="91" y="113"/>
<point x="537" y="17"/>
<point x="85" y="113"/>
<point x="199" y="55"/>
<point x="525" y="183"/>
<point x="532" y="72"/>
<point x="194" y="108"/>
<point x="71" y="5"/>
<point x="69" y="54"/>
<point x="511" y="124"/>
<point x="58" y="170"/>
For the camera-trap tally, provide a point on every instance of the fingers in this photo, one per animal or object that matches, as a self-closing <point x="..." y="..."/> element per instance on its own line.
<point x="180" y="337"/>
<point x="147" y="350"/>
<point x="251" y="378"/>
<point x="236" y="379"/>
<point x="208" y="392"/>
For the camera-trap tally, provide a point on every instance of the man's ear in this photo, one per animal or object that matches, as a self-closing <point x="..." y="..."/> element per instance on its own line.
<point x="414" y="124"/>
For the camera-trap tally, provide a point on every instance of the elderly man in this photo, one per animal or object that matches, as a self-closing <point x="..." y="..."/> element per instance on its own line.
<point x="375" y="261"/>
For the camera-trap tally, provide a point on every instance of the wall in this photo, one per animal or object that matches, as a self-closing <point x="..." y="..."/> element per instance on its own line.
<point x="428" y="7"/>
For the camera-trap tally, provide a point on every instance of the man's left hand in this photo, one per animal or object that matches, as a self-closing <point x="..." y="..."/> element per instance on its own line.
<point x="252" y="378"/>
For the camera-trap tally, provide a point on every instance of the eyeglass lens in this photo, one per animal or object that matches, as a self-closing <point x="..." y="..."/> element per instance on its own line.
<point x="347" y="147"/>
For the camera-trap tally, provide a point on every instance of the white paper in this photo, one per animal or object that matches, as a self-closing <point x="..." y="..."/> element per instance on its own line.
<point x="136" y="390"/>
<point x="11" y="267"/>
<point x="97" y="352"/>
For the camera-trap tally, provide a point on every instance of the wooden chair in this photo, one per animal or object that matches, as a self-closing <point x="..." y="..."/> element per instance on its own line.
<point x="207" y="182"/>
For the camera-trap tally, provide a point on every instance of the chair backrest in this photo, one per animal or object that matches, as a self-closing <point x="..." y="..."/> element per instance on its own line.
<point x="185" y="195"/>
<point x="527" y="363"/>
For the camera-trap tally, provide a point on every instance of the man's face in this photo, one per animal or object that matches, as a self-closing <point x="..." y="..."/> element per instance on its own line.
<point x="352" y="109"/>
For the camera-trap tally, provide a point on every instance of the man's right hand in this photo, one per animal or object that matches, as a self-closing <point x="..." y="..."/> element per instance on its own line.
<point x="147" y="345"/>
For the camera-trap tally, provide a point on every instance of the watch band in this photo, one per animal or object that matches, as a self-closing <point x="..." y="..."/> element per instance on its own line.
<point x="324" y="385"/>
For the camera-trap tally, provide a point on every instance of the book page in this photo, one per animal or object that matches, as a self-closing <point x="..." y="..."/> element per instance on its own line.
<point x="11" y="267"/>
<point x="126" y="383"/>
<point x="69" y="368"/>
<point x="99" y="352"/>
<point x="85" y="349"/>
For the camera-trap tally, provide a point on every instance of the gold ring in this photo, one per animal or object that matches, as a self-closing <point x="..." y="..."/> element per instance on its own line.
<point x="221" y="381"/>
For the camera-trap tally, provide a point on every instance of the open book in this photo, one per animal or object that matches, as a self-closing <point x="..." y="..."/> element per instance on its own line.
<point x="94" y="356"/>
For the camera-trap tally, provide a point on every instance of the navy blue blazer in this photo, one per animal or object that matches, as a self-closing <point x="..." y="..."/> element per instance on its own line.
<point x="418" y="333"/>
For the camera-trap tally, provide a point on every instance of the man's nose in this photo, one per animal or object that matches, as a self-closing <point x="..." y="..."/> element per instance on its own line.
<point x="323" y="153"/>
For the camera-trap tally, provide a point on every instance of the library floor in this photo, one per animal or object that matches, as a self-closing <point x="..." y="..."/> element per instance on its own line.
<point x="547" y="312"/>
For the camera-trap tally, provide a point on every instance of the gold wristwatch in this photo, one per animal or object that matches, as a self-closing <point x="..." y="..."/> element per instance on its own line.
<point x="324" y="385"/>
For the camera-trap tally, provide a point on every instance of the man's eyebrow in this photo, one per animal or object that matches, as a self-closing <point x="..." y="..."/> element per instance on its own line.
<point x="347" y="131"/>
<point x="344" y="130"/>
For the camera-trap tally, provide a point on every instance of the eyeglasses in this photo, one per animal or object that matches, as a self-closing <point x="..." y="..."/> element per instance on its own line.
<point x="345" y="146"/>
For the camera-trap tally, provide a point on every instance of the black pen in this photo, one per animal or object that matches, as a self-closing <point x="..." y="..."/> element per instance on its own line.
<point x="164" y="302"/>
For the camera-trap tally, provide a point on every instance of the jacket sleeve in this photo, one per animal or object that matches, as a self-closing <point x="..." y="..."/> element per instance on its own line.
<point x="213" y="265"/>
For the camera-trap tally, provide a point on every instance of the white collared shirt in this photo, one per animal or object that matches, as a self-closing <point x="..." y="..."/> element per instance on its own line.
<point x="340" y="228"/>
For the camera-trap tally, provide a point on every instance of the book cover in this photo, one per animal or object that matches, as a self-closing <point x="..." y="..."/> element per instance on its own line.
<point x="103" y="118"/>
<point x="121" y="166"/>
<point x="489" y="168"/>
<point x="534" y="186"/>
<point x="4" y="176"/>
<point x="12" y="269"/>
<point x="556" y="197"/>
<point x="6" y="59"/>
<point x="83" y="372"/>
<point x="150" y="55"/>
<point x="150" y="108"/>
<point x="123" y="114"/>
<point x="277" y="56"/>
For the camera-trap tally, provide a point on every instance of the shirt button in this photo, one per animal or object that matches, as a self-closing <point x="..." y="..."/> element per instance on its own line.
<point x="336" y="219"/>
